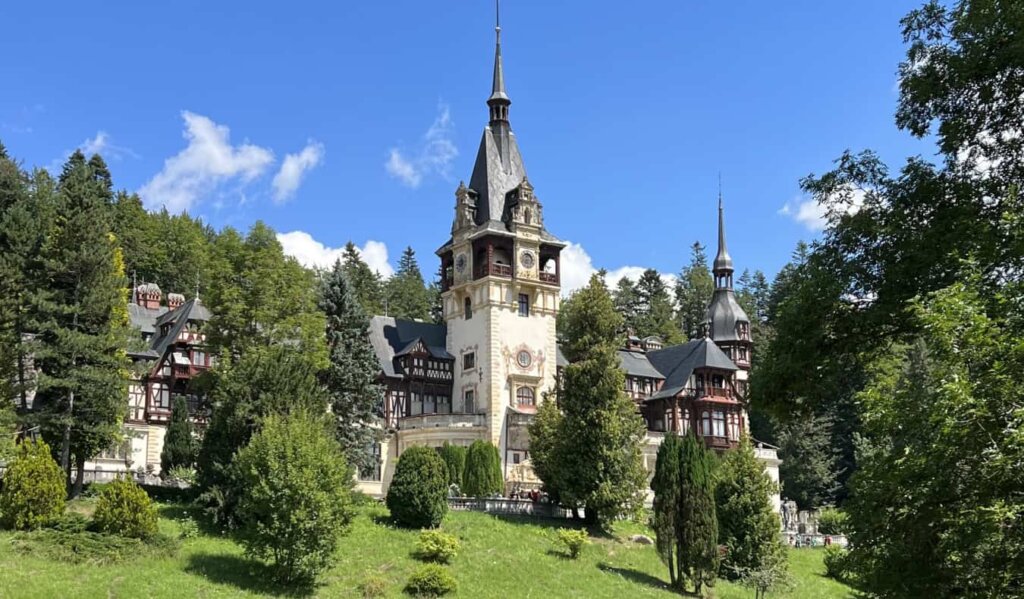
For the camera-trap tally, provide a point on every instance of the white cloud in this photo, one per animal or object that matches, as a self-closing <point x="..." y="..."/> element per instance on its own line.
<point x="95" y="145"/>
<point x="208" y="161"/>
<point x="294" y="168"/>
<point x="313" y="254"/>
<point x="101" y="144"/>
<point x="814" y="216"/>
<point x="578" y="267"/>
<point x="435" y="155"/>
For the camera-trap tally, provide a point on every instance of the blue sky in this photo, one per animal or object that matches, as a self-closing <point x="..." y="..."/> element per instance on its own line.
<point x="356" y="120"/>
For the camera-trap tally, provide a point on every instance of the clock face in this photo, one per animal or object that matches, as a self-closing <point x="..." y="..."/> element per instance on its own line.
<point x="460" y="263"/>
<point x="524" y="359"/>
<point x="526" y="259"/>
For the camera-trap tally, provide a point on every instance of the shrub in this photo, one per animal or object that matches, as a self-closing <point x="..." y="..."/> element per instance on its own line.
<point x="184" y="474"/>
<point x="33" y="488"/>
<point x="833" y="521"/>
<point x="94" y="489"/>
<point x="417" y="497"/>
<point x="482" y="476"/>
<point x="126" y="510"/>
<point x="454" y="457"/>
<point x="837" y="563"/>
<point x="436" y="546"/>
<point x="573" y="540"/>
<point x="296" y="502"/>
<point x="85" y="547"/>
<point x="188" y="528"/>
<point x="431" y="580"/>
<point x="374" y="585"/>
<point x="70" y="522"/>
<point x="180" y="446"/>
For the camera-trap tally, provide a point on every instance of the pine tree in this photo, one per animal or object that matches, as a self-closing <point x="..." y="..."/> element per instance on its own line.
<point x="350" y="377"/>
<point x="407" y="295"/>
<point x="697" y="521"/>
<point x="654" y="308"/>
<point x="626" y="304"/>
<point x="482" y="476"/>
<point x="693" y="293"/>
<point x="454" y="457"/>
<point x="83" y="333"/>
<point x="180" y="446"/>
<point x="365" y="282"/>
<point x="809" y="469"/>
<point x="747" y="525"/>
<point x="666" y="487"/>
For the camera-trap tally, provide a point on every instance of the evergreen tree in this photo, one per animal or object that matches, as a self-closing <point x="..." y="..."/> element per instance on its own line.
<point x="407" y="295"/>
<point x="654" y="309"/>
<point x="180" y="446"/>
<point x="626" y="304"/>
<point x="350" y="377"/>
<point x="809" y="469"/>
<point x="83" y="333"/>
<point x="697" y="520"/>
<point x="664" y="519"/>
<point x="693" y="293"/>
<point x="593" y="458"/>
<point x="545" y="445"/>
<point x="482" y="476"/>
<point x="747" y="525"/>
<point x="365" y="282"/>
<point x="454" y="457"/>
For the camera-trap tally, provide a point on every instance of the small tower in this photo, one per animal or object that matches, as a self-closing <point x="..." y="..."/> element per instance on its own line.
<point x="727" y="323"/>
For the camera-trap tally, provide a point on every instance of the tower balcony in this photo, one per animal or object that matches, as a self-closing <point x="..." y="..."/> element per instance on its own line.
<point x="494" y="270"/>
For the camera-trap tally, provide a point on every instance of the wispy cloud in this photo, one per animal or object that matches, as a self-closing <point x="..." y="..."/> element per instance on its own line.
<point x="578" y="267"/>
<point x="101" y="143"/>
<point x="311" y="253"/>
<point x="294" y="167"/>
<point x="814" y="215"/>
<point x="208" y="161"/>
<point x="434" y="156"/>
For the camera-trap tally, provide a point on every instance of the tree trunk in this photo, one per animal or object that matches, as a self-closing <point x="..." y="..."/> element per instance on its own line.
<point x="80" y="476"/>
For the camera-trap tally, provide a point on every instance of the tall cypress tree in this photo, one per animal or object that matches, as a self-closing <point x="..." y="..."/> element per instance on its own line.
<point x="83" y="332"/>
<point x="179" y="444"/>
<point x="666" y="487"/>
<point x="366" y="283"/>
<point x="697" y="522"/>
<point x="693" y="293"/>
<point x="350" y="377"/>
<point x="482" y="475"/>
<point x="407" y="295"/>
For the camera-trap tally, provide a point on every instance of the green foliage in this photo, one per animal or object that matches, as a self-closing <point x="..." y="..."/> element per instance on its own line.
<point x="655" y="312"/>
<point x="8" y="424"/>
<point x="454" y="457"/>
<point x="590" y="456"/>
<point x="188" y="528"/>
<point x="697" y="521"/>
<point x="366" y="284"/>
<point x="771" y="576"/>
<point x="374" y="585"/>
<point x="182" y="473"/>
<point x="747" y="525"/>
<point x="351" y="374"/>
<point x="809" y="469"/>
<point x="482" y="476"/>
<point x="431" y="580"/>
<point x="837" y="563"/>
<point x="666" y="485"/>
<point x="407" y="295"/>
<point x="126" y="510"/>
<point x="417" y="497"/>
<point x="626" y="304"/>
<point x="693" y="293"/>
<point x="33" y="488"/>
<point x="832" y="521"/>
<point x="77" y="547"/>
<point x="436" y="546"/>
<point x="180" y="447"/>
<point x="296" y="501"/>
<point x="573" y="540"/>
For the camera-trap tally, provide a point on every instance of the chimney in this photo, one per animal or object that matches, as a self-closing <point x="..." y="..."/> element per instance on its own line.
<point x="148" y="295"/>
<point x="174" y="300"/>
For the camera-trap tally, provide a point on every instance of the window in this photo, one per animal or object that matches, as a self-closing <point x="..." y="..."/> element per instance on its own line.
<point x="444" y="404"/>
<point x="525" y="396"/>
<point x="429" y="407"/>
<point x="470" y="402"/>
<point x="198" y="357"/>
<point x="469" y="361"/>
<point x="467" y="307"/>
<point x="719" y="423"/>
<point x="524" y="304"/>
<point x="516" y="457"/>
<point x="371" y="472"/>
<point x="161" y="396"/>
<point x="118" y="451"/>
<point x="705" y="422"/>
<point x="734" y="426"/>
<point x="416" y="405"/>
<point x="685" y="421"/>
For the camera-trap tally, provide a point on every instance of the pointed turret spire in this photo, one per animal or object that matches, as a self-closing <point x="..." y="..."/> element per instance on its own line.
<point x="722" y="267"/>
<point x="499" y="100"/>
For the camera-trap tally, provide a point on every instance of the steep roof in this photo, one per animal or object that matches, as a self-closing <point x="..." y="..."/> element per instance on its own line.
<point x="392" y="337"/>
<point x="724" y="312"/>
<point x="678" y="362"/>
<point x="192" y="310"/>
<point x="144" y="318"/>
<point x="637" y="364"/>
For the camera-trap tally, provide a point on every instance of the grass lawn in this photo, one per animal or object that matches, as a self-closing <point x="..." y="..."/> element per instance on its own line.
<point x="499" y="558"/>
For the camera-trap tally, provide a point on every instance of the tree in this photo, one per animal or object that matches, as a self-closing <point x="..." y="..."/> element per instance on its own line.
<point x="179" y="442"/>
<point x="366" y="283"/>
<point x="809" y="469"/>
<point x="666" y="508"/>
<point x="83" y="328"/>
<point x="454" y="457"/>
<point x="417" y="497"/>
<point x="298" y="495"/>
<point x="545" y="444"/>
<point x="482" y="476"/>
<point x="407" y="294"/>
<point x="626" y="304"/>
<point x="747" y="525"/>
<point x="697" y="520"/>
<point x="693" y="293"/>
<point x="654" y="308"/>
<point x="351" y="375"/>
<point x="33" y="492"/>
<point x="124" y="508"/>
<point x="592" y="457"/>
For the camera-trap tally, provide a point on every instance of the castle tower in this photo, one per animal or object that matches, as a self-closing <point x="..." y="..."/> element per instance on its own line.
<point x="500" y="286"/>
<point x="727" y="323"/>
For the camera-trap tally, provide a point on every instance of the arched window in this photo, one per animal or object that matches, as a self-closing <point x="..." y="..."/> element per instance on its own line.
<point x="525" y="396"/>
<point x="467" y="306"/>
<point x="705" y="424"/>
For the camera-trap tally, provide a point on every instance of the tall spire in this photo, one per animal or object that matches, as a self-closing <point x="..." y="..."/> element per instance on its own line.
<point x="499" y="100"/>
<point x="722" y="267"/>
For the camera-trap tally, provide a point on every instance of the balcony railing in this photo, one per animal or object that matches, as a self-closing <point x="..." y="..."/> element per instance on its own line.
<point x="549" y="277"/>
<point x="423" y="421"/>
<point x="494" y="270"/>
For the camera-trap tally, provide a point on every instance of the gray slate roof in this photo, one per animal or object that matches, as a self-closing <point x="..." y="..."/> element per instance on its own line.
<point x="190" y="310"/>
<point x="637" y="364"/>
<point x="492" y="177"/>
<point x="144" y="319"/>
<point x="724" y="312"/>
<point x="678" y="362"/>
<point x="392" y="336"/>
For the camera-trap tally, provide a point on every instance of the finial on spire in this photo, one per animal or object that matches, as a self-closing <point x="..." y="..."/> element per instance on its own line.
<point x="497" y="19"/>
<point x="723" y="262"/>
<point x="499" y="100"/>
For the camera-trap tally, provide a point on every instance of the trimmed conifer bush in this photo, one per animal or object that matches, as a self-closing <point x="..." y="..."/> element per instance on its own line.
<point x="436" y="546"/>
<point x="33" y="488"/>
<point x="418" y="494"/>
<point x="431" y="580"/>
<point x="454" y="457"/>
<point x="125" y="509"/>
<point x="482" y="476"/>
<point x="180" y="447"/>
